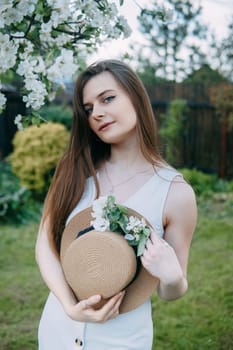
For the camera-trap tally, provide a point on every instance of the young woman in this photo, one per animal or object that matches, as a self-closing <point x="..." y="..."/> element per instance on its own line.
<point x="113" y="149"/>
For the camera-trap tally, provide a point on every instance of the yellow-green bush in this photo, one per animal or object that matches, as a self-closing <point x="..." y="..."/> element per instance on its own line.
<point x="36" y="153"/>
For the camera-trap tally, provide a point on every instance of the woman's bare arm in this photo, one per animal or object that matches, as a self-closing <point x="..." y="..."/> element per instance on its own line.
<point x="167" y="258"/>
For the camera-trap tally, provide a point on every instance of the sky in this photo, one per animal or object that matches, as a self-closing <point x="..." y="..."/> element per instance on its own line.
<point x="216" y="14"/>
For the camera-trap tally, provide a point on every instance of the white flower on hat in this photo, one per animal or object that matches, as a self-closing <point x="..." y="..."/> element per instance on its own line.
<point x="135" y="223"/>
<point x="98" y="207"/>
<point x="111" y="216"/>
<point x="101" y="224"/>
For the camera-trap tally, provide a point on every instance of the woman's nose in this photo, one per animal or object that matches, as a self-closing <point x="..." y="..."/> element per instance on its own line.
<point x="97" y="111"/>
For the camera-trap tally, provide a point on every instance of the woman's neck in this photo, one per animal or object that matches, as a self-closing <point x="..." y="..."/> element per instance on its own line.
<point x="124" y="172"/>
<point x="127" y="155"/>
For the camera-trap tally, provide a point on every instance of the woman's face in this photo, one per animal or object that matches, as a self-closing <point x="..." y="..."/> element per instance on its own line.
<point x="109" y="110"/>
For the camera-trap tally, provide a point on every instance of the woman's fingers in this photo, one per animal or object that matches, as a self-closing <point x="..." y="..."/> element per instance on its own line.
<point x="90" y="302"/>
<point x="118" y="303"/>
<point x="111" y="308"/>
<point x="108" y="311"/>
<point x="154" y="238"/>
<point x="113" y="302"/>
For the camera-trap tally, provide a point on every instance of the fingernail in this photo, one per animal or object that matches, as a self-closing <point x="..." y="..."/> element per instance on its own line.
<point x="97" y="297"/>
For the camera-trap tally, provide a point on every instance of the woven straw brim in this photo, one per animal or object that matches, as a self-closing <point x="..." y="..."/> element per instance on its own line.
<point x="103" y="259"/>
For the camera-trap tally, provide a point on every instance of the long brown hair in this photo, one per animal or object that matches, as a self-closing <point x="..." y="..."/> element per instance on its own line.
<point x="85" y="150"/>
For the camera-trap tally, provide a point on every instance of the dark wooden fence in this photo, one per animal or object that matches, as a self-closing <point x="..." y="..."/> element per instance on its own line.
<point x="206" y="144"/>
<point x="14" y="106"/>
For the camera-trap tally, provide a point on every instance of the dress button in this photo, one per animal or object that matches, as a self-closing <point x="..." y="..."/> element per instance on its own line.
<point x="78" y="342"/>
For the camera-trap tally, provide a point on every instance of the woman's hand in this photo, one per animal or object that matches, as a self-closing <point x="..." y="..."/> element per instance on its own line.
<point x="160" y="259"/>
<point x="84" y="311"/>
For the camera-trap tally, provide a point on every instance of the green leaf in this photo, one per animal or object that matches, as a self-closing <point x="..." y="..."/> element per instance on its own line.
<point x="122" y="225"/>
<point x="110" y="201"/>
<point x="114" y="214"/>
<point x="146" y="231"/>
<point x="132" y="243"/>
<point x="114" y="226"/>
<point x="141" y="246"/>
<point x="35" y="121"/>
<point x="123" y="209"/>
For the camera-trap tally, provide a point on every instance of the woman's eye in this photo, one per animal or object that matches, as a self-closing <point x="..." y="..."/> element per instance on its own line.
<point x="108" y="99"/>
<point x="88" y="111"/>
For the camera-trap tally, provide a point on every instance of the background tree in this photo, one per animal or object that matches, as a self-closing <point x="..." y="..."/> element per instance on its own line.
<point x="205" y="75"/>
<point x="222" y="55"/>
<point x="176" y="33"/>
<point x="147" y="71"/>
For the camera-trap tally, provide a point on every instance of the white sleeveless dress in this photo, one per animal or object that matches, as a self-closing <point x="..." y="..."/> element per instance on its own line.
<point x="132" y="330"/>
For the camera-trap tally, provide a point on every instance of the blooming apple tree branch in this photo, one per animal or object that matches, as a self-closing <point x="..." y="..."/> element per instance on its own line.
<point x="44" y="41"/>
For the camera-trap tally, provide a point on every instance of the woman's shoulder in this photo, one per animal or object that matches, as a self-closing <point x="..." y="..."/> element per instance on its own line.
<point x="180" y="193"/>
<point x="181" y="189"/>
<point x="167" y="172"/>
<point x="181" y="197"/>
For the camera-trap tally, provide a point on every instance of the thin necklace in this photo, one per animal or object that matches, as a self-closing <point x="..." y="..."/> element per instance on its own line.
<point x="113" y="186"/>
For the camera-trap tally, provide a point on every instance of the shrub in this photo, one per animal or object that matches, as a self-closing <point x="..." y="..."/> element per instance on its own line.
<point x="16" y="203"/>
<point x="57" y="114"/>
<point x="204" y="184"/>
<point x="173" y="130"/>
<point x="36" y="153"/>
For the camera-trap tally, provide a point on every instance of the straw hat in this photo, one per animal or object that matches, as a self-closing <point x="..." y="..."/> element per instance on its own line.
<point x="103" y="263"/>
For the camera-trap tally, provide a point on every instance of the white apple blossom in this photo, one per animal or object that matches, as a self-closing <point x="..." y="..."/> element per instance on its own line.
<point x="28" y="50"/>
<point x="52" y="95"/>
<point x="37" y="94"/>
<point x="8" y="52"/>
<point x="26" y="7"/>
<point x="63" y="68"/>
<point x="40" y="65"/>
<point x="61" y="11"/>
<point x="18" y="122"/>
<point x="44" y="41"/>
<point x="2" y="101"/>
<point x="2" y="22"/>
<point x="45" y="32"/>
<point x="12" y="15"/>
<point x="5" y="4"/>
<point x="112" y="7"/>
<point x="123" y="23"/>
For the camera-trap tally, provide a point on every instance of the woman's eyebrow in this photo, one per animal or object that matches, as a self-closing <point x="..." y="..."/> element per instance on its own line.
<point x="99" y="95"/>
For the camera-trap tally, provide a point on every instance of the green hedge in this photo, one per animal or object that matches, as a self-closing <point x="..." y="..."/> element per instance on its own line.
<point x="205" y="184"/>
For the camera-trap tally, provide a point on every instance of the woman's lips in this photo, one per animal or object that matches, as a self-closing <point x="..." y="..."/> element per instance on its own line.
<point x="105" y="126"/>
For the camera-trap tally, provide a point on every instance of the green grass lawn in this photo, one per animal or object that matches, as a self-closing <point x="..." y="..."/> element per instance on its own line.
<point x="201" y="320"/>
